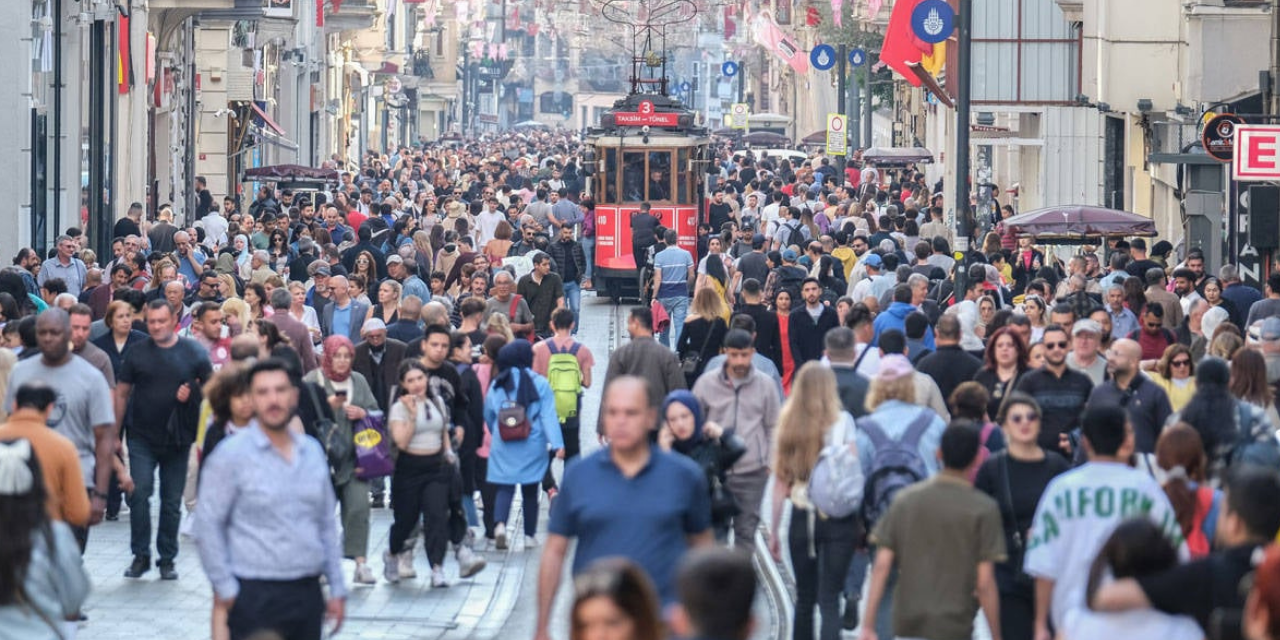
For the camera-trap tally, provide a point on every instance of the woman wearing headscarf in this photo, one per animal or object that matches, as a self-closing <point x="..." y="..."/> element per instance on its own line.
<point x="351" y="399"/>
<point x="686" y="431"/>
<point x="520" y="461"/>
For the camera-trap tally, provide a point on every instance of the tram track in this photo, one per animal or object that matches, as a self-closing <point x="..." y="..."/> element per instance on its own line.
<point x="775" y="600"/>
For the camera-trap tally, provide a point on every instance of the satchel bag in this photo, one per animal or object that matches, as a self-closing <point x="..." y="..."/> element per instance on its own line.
<point x="337" y="446"/>
<point x="513" y="422"/>
<point x="373" y="447"/>
<point x="690" y="363"/>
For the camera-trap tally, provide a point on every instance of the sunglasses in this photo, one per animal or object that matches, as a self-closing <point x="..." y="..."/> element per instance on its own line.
<point x="1020" y="418"/>
<point x="1056" y="345"/>
<point x="1180" y="363"/>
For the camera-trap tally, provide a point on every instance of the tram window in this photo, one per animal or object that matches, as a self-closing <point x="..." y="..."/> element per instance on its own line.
<point x="683" y="175"/>
<point x="660" y="175"/>
<point x="633" y="176"/>
<point x="608" y="177"/>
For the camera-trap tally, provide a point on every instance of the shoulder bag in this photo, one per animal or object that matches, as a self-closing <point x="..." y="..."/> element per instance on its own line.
<point x="691" y="362"/>
<point x="1017" y="547"/>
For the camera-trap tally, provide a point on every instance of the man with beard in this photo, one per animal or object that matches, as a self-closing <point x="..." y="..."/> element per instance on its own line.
<point x="1061" y="392"/>
<point x="1143" y="400"/>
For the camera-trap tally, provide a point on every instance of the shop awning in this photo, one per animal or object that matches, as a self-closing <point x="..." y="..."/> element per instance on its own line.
<point x="271" y="124"/>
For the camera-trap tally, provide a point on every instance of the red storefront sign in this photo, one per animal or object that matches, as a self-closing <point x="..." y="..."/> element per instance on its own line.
<point x="1257" y="153"/>
<point x="646" y="116"/>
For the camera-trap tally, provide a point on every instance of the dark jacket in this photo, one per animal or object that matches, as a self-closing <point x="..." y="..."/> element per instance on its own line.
<point x="562" y="252"/>
<point x="405" y="331"/>
<point x="379" y="259"/>
<point x="807" y="336"/>
<point x="646" y="358"/>
<point x="702" y="337"/>
<point x="1145" y="402"/>
<point x="768" y="338"/>
<point x="949" y="366"/>
<point x="358" y="312"/>
<point x="382" y="378"/>
<point x="853" y="387"/>
<point x="715" y="458"/>
<point x="298" y="266"/>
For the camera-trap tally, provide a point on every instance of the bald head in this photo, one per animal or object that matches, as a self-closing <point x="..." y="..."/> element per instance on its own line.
<point x="629" y="414"/>
<point x="53" y="334"/>
<point x="1123" y="360"/>
<point x="341" y="289"/>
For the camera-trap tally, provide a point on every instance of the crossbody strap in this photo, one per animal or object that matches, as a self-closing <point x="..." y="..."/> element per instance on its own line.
<point x="1006" y="497"/>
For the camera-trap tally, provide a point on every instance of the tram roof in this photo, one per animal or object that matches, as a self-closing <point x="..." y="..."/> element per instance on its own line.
<point x="635" y="140"/>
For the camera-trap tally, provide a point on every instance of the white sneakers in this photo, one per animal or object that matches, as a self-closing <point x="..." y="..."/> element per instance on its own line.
<point x="500" y="536"/>
<point x="469" y="563"/>
<point x="530" y="542"/>
<point x="390" y="567"/>
<point x="363" y="574"/>
<point x="437" y="578"/>
<point x="406" y="564"/>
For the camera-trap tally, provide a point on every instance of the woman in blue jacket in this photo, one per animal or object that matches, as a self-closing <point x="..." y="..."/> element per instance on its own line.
<point x="520" y="461"/>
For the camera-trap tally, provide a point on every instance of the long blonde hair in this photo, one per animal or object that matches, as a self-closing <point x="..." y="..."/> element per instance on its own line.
<point x="903" y="389"/>
<point x="708" y="305"/>
<point x="814" y="405"/>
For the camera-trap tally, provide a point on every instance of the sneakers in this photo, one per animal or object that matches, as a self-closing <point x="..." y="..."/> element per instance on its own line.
<point x="141" y="565"/>
<point x="500" y="536"/>
<point x="469" y="563"/>
<point x="390" y="567"/>
<point x="530" y="542"/>
<point x="437" y="578"/>
<point x="406" y="565"/>
<point x="849" y="619"/>
<point x="363" y="574"/>
<point x="168" y="571"/>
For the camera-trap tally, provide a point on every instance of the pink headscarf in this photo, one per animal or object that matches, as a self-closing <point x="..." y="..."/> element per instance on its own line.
<point x="331" y="346"/>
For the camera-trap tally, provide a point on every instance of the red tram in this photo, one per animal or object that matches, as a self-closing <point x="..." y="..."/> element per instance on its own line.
<point x="646" y="149"/>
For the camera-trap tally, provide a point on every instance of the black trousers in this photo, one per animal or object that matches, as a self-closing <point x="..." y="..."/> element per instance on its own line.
<point x="293" y="609"/>
<point x="488" y="494"/>
<point x="570" y="430"/>
<point x="420" y="492"/>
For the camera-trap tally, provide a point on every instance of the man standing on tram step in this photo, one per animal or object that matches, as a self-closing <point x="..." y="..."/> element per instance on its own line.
<point x="83" y="412"/>
<point x="158" y="395"/>
<point x="643" y="357"/>
<point x="629" y="499"/>
<point x="270" y="484"/>
<point x="673" y="269"/>
<point x="644" y="228"/>
<point x="743" y="400"/>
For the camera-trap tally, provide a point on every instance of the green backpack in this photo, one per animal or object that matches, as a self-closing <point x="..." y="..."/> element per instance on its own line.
<point x="565" y="377"/>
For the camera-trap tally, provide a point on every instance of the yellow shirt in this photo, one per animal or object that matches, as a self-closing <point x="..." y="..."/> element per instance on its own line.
<point x="1179" y="395"/>
<point x="848" y="258"/>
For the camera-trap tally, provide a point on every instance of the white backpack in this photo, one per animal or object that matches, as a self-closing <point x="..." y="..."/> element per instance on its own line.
<point x="835" y="487"/>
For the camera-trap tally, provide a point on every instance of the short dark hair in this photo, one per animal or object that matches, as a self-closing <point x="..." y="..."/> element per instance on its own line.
<point x="562" y="318"/>
<point x="268" y="365"/>
<point x="159" y="303"/>
<point x="1184" y="273"/>
<point x="80" y="309"/>
<point x="433" y="329"/>
<point x="892" y="341"/>
<point x="1104" y="427"/>
<point x="35" y="394"/>
<point x="948" y="326"/>
<point x="643" y="316"/>
<point x="743" y="321"/>
<point x="717" y="587"/>
<point x="1052" y="327"/>
<point x="738" y="339"/>
<point x="960" y="442"/>
<point x="915" y="325"/>
<point x="1273" y="281"/>
<point x="1251" y="492"/>
<point x="902" y="293"/>
<point x="205" y="308"/>
<point x="752" y="286"/>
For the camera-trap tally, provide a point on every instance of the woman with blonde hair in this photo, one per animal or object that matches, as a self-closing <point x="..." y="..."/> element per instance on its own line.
<point x="500" y="325"/>
<point x="703" y="333"/>
<point x="387" y="308"/>
<point x="227" y="286"/>
<point x="235" y="313"/>
<point x="1176" y="374"/>
<point x="891" y="399"/>
<point x="301" y="311"/>
<point x="821" y="547"/>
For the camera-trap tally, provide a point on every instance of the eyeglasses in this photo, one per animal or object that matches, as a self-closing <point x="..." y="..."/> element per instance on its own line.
<point x="1056" y="345"/>
<point x="1019" y="418"/>
<point x="1180" y="363"/>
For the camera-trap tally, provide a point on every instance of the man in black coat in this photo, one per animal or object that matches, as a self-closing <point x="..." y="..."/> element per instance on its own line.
<point x="949" y="365"/>
<point x="809" y="324"/>
<point x="768" y="340"/>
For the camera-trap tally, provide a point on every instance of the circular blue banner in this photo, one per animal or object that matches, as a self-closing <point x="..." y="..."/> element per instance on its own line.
<point x="823" y="57"/>
<point x="933" y="21"/>
<point x="729" y="69"/>
<point x="858" y="57"/>
<point x="685" y="86"/>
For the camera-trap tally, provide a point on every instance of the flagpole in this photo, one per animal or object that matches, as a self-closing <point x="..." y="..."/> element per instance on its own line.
<point x="964" y="74"/>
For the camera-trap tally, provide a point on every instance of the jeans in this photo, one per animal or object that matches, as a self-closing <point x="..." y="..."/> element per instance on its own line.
<point x="677" y="308"/>
<point x="144" y="459"/>
<point x="857" y="574"/>
<point x="820" y="575"/>
<point x="529" y="494"/>
<point x="589" y="250"/>
<point x="573" y="300"/>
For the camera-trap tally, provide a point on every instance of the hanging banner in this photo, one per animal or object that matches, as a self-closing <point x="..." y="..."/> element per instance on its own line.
<point x="769" y="35"/>
<point x="837" y="134"/>
<point x="124" y="61"/>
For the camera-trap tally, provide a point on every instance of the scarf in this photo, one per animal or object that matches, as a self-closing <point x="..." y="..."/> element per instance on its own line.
<point x="514" y="362"/>
<point x="687" y="399"/>
<point x="243" y="256"/>
<point x="331" y="346"/>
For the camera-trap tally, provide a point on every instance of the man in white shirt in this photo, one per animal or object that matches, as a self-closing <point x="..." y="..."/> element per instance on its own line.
<point x="487" y="222"/>
<point x="215" y="230"/>
<point x="1080" y="508"/>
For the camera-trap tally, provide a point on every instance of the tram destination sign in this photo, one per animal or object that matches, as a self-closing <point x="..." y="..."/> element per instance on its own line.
<point x="646" y="115"/>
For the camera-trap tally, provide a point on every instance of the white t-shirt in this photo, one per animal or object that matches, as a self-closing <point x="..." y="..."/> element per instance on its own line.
<point x="1139" y="624"/>
<point x="1077" y="513"/>
<point x="870" y="364"/>
<point x="486" y="224"/>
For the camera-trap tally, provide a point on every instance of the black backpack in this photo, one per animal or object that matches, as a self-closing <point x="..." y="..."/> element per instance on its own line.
<point x="792" y="234"/>
<point x="790" y="278"/>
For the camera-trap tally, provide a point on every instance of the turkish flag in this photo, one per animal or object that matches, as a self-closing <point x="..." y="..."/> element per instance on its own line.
<point x="901" y="46"/>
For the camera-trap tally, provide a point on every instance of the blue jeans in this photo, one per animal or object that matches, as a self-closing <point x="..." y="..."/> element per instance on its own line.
<point x="506" y="495"/>
<point x="589" y="249"/>
<point x="144" y="459"/>
<point x="573" y="300"/>
<point x="677" y="308"/>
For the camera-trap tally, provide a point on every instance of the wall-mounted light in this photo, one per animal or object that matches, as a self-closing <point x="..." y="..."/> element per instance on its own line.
<point x="1145" y="105"/>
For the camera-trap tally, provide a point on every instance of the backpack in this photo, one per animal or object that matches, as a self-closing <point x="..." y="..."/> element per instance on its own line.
<point x="1246" y="449"/>
<point x="790" y="278"/>
<point x="835" y="486"/>
<point x="793" y="234"/>
<point x="565" y="377"/>
<point x="1197" y="541"/>
<point x="895" y="465"/>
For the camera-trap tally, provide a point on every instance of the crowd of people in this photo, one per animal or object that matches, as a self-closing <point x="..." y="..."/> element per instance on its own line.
<point x="1005" y="431"/>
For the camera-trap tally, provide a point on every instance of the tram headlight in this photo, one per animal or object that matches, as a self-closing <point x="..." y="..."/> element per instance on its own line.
<point x="645" y="129"/>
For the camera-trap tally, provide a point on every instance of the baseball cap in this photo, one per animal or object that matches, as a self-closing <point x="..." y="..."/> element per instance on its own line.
<point x="394" y="259"/>
<point x="789" y="256"/>
<point x="872" y="260"/>
<point x="1086" y="326"/>
<point x="757" y="240"/>
<point x="323" y="271"/>
<point x="1271" y="329"/>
